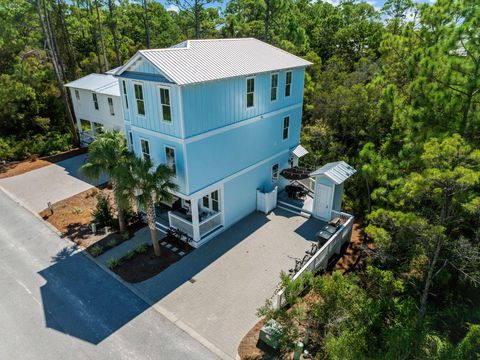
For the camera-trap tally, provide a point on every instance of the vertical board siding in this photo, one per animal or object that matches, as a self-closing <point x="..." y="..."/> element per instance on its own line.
<point x="215" y="104"/>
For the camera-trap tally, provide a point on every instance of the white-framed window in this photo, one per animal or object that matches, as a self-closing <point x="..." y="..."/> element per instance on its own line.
<point x="95" y="101"/>
<point x="110" y="106"/>
<point x="130" y="136"/>
<point x="275" y="172"/>
<point x="139" y="99"/>
<point x="145" y="145"/>
<point x="286" y="127"/>
<point x="211" y="201"/>
<point x="77" y="95"/>
<point x="288" y="83"/>
<point x="250" y="91"/>
<point x="124" y="87"/>
<point x="274" y="87"/>
<point x="165" y="101"/>
<point x="206" y="201"/>
<point x="170" y="159"/>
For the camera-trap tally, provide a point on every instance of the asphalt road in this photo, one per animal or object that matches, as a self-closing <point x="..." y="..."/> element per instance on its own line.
<point x="57" y="304"/>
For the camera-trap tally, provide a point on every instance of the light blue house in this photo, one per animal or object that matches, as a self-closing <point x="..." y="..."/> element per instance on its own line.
<point x="224" y="114"/>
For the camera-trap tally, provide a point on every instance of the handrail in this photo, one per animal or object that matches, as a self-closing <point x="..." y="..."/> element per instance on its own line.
<point x="210" y="218"/>
<point x="171" y="213"/>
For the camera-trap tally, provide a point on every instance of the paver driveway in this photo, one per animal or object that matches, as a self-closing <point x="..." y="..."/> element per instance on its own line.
<point x="51" y="183"/>
<point x="217" y="288"/>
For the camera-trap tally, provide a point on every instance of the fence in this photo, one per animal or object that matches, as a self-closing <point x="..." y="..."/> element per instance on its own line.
<point x="320" y="258"/>
<point x="266" y="202"/>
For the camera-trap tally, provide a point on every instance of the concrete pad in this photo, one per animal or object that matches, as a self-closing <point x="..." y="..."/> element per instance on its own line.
<point x="49" y="184"/>
<point x="217" y="289"/>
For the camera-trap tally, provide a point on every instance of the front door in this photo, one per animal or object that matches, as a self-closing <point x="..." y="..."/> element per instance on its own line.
<point x="323" y="195"/>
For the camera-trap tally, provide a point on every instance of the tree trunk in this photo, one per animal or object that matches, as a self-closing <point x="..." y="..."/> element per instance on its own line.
<point x="72" y="68"/>
<point x="113" y="29"/>
<point x="94" y="37"/>
<point x="146" y="24"/>
<point x="150" y="209"/>
<point x="58" y="76"/>
<point x="196" y="18"/>
<point x="120" y="213"/>
<point x="102" y="38"/>
<point x="266" y="34"/>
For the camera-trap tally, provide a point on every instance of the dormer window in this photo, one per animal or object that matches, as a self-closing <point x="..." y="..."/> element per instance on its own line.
<point x="288" y="83"/>
<point x="250" y="91"/>
<point x="139" y="99"/>
<point x="165" y="101"/>
<point x="95" y="101"/>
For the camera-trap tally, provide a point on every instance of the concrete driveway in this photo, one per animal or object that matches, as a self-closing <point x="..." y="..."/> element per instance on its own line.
<point x="51" y="183"/>
<point x="217" y="289"/>
<point x="55" y="303"/>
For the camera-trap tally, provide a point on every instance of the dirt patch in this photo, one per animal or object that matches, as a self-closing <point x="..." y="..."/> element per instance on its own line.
<point x="353" y="256"/>
<point x="20" y="167"/>
<point x="143" y="266"/>
<point x="252" y="348"/>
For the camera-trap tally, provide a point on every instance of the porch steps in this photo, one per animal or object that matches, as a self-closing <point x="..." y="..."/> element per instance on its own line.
<point x="293" y="209"/>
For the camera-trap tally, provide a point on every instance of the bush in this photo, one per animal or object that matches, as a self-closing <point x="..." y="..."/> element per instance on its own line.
<point x="96" y="251"/>
<point x="103" y="212"/>
<point x="142" y="248"/>
<point x="112" y="263"/>
<point x="129" y="255"/>
<point x="112" y="243"/>
<point x="126" y="235"/>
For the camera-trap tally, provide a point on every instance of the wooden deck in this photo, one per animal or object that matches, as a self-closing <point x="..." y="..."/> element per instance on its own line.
<point x="301" y="205"/>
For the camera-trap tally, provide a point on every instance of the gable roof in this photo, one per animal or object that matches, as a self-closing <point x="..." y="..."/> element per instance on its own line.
<point x="99" y="83"/>
<point x="338" y="171"/>
<point x="195" y="61"/>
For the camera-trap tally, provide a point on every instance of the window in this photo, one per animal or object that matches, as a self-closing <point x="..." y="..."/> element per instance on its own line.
<point x="286" y="126"/>
<point x="215" y="205"/>
<point x="274" y="87"/>
<point x="288" y="83"/>
<point x="206" y="201"/>
<point x="110" y="106"/>
<point x="98" y="128"/>
<point x="77" y="95"/>
<point x="130" y="135"/>
<point x="95" y="101"/>
<point x="139" y="97"/>
<point x="145" y="149"/>
<point x="124" y="86"/>
<point x="250" y="91"/>
<point x="275" y="172"/>
<point x="86" y="126"/>
<point x="165" y="101"/>
<point x="170" y="156"/>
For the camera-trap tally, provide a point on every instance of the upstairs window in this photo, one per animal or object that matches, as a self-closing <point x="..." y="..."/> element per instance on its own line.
<point x="130" y="135"/>
<point x="250" y="91"/>
<point x="124" y="87"/>
<point x="275" y="172"/>
<point x="215" y="202"/>
<point x="165" y="101"/>
<point x="145" y="149"/>
<point x="274" y="87"/>
<point x="286" y="126"/>
<point x="170" y="156"/>
<point x="288" y="83"/>
<point x="95" y="101"/>
<point x="110" y="106"/>
<point x="77" y="95"/>
<point x="139" y="98"/>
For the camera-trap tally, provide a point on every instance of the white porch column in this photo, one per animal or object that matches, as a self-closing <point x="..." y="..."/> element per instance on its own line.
<point x="195" y="219"/>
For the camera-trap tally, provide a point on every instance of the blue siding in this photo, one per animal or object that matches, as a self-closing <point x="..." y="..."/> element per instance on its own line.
<point x="216" y="157"/>
<point x="337" y="198"/>
<point x="216" y="104"/>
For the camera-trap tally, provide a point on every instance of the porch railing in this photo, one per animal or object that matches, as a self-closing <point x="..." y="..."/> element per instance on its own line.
<point x="180" y="223"/>
<point x="321" y="257"/>
<point x="210" y="224"/>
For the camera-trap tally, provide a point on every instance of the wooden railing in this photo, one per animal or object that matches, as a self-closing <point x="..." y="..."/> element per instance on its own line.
<point x="320" y="259"/>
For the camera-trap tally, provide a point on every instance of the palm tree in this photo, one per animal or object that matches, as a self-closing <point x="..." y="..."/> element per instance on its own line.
<point x="149" y="185"/>
<point x="108" y="155"/>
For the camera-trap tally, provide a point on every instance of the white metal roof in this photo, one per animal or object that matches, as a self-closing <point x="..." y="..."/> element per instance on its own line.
<point x="99" y="83"/>
<point x="338" y="171"/>
<point x="299" y="151"/>
<point x="195" y="61"/>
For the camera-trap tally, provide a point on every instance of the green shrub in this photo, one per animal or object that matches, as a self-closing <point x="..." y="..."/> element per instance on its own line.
<point x="129" y="255"/>
<point x="103" y="212"/>
<point x="142" y="248"/>
<point x="126" y="235"/>
<point x="112" y="243"/>
<point x="97" y="250"/>
<point x="112" y="263"/>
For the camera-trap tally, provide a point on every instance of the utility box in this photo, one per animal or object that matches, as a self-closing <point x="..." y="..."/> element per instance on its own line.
<point x="270" y="333"/>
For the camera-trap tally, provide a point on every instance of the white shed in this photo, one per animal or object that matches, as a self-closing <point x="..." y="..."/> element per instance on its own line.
<point x="329" y="188"/>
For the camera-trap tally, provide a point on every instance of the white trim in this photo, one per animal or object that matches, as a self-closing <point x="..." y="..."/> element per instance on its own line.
<point x="156" y="134"/>
<point x="165" y="122"/>
<point x="141" y="148"/>
<point x="246" y="92"/>
<point x="210" y="188"/>
<point x="291" y="82"/>
<point x="138" y="82"/>
<point x="270" y="92"/>
<point x="241" y="123"/>
<point x="180" y="115"/>
<point x="134" y="59"/>
<point x="288" y="128"/>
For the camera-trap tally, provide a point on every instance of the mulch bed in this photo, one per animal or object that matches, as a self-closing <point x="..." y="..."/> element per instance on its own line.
<point x="143" y="266"/>
<point x="252" y="348"/>
<point x="20" y="167"/>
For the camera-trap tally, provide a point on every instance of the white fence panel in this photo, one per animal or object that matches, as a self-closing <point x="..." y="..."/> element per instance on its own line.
<point x="266" y="202"/>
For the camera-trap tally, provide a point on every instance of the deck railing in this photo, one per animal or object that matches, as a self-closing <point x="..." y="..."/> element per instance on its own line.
<point x="206" y="226"/>
<point x="320" y="259"/>
<point x="210" y="224"/>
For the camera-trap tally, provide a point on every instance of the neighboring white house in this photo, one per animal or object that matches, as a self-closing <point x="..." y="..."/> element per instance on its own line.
<point x="96" y="103"/>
